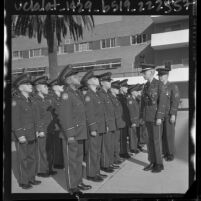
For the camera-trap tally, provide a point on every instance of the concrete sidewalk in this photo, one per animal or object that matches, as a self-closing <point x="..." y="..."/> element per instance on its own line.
<point x="129" y="178"/>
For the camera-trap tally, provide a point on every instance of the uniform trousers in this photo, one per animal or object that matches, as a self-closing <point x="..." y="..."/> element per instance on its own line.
<point x="143" y="134"/>
<point x="134" y="138"/>
<point x="26" y="161"/>
<point x="73" y="157"/>
<point x="58" y="150"/>
<point x="41" y="153"/>
<point x="50" y="149"/>
<point x="154" y="142"/>
<point x="168" y="136"/>
<point x="117" y="145"/>
<point x="123" y="140"/>
<point x="93" y="155"/>
<point x="106" y="150"/>
<point x="112" y="146"/>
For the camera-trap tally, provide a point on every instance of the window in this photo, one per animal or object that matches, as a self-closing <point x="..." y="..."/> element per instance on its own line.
<point x="108" y="43"/>
<point x="35" y="53"/>
<point x="185" y="61"/>
<point x="67" y="41"/>
<point x="17" y="55"/>
<point x="139" y="38"/>
<point x="173" y="27"/>
<point x="81" y="47"/>
<point x="61" y="50"/>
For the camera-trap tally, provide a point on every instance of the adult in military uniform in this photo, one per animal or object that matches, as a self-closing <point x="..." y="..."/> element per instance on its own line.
<point x="44" y="127"/>
<point x="172" y="93"/>
<point x="72" y="117"/>
<point x="124" y="132"/>
<point x="133" y="109"/>
<point x="24" y="132"/>
<point x="96" y="123"/>
<point x="153" y="105"/>
<point x="107" y="157"/>
<point x="120" y="123"/>
<point x="55" y="141"/>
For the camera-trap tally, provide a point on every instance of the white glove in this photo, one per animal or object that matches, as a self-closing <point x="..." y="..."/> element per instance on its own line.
<point x="22" y="139"/>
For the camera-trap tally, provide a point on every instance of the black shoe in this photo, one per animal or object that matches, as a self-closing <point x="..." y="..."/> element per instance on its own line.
<point x="156" y="169"/>
<point x="108" y="170"/>
<point x="118" y="162"/>
<point x="102" y="175"/>
<point x="161" y="166"/>
<point x="84" y="187"/>
<point x="170" y="158"/>
<point x="95" y="179"/>
<point x="26" y="186"/>
<point x="35" y="182"/>
<point x="135" y="151"/>
<point x="43" y="175"/>
<point x="140" y="148"/>
<point x="114" y="166"/>
<point x="52" y="172"/>
<point x="74" y="191"/>
<point x="149" y="167"/>
<point x="58" y="166"/>
<point x="126" y="156"/>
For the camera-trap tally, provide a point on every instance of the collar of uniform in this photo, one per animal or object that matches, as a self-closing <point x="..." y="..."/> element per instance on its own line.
<point x="21" y="96"/>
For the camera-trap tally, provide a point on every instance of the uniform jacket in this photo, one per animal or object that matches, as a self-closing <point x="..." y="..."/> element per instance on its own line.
<point x="95" y="112"/>
<point x="125" y="115"/>
<point x="108" y="109"/>
<point x="173" y="98"/>
<point x="43" y="109"/>
<point x="23" y="118"/>
<point x="118" y="111"/>
<point x="134" y="110"/>
<point x="153" y="101"/>
<point x="72" y="114"/>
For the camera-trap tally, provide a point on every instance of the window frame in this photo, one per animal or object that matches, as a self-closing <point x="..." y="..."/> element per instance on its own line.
<point x="34" y="55"/>
<point x="88" y="47"/>
<point x="20" y="56"/>
<point x="101" y="46"/>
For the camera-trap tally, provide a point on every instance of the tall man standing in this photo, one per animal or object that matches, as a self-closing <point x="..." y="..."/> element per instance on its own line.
<point x="153" y="111"/>
<point x="72" y="116"/>
<point x="24" y="132"/>
<point x="172" y="93"/>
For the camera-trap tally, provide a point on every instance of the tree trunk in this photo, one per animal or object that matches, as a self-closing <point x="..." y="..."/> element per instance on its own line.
<point x="52" y="54"/>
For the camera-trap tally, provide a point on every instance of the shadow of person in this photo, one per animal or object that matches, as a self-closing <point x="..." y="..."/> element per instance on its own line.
<point x="136" y="161"/>
<point x="60" y="178"/>
<point x="14" y="165"/>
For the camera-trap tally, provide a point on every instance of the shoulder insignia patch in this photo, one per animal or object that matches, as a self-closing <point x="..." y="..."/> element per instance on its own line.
<point x="87" y="99"/>
<point x="64" y="96"/>
<point x="14" y="103"/>
<point x="130" y="102"/>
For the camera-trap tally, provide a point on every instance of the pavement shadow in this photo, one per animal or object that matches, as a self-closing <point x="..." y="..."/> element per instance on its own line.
<point x="136" y="161"/>
<point x="60" y="178"/>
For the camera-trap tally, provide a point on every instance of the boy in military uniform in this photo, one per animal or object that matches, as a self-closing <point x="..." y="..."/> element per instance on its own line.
<point x="43" y="106"/>
<point x="120" y="123"/>
<point x="24" y="132"/>
<point x="72" y="117"/>
<point x="54" y="141"/>
<point x="172" y="93"/>
<point x="153" y="106"/>
<point x="96" y="127"/>
<point x="124" y="132"/>
<point x="107" y="157"/>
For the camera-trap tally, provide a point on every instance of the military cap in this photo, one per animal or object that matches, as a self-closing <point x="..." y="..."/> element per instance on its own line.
<point x="87" y="76"/>
<point x="41" y="80"/>
<point x="133" y="88"/>
<point x="146" y="67"/>
<point x="66" y="72"/>
<point x="54" y="82"/>
<point x="83" y="88"/>
<point x="116" y="84"/>
<point x="165" y="70"/>
<point x="105" y="77"/>
<point x="22" y="79"/>
<point x="123" y="83"/>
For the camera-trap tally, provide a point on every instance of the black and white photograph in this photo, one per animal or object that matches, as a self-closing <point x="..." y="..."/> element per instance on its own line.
<point x="100" y="104"/>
